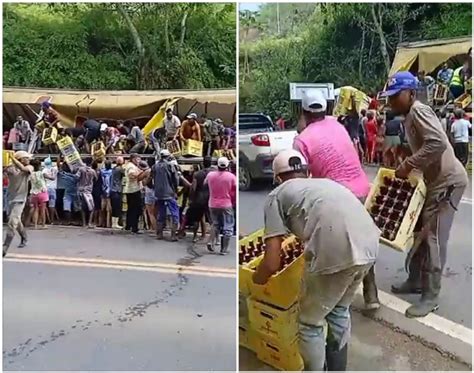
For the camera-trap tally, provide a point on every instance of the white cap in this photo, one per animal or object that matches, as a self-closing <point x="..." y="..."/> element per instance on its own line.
<point x="314" y="101"/>
<point x="192" y="116"/>
<point x="223" y="162"/>
<point x="165" y="153"/>
<point x="103" y="127"/>
<point x="22" y="154"/>
<point x="287" y="161"/>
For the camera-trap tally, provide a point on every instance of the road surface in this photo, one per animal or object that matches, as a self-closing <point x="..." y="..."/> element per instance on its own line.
<point x="456" y="292"/>
<point x="78" y="299"/>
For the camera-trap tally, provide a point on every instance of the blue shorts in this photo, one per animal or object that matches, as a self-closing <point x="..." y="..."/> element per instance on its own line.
<point x="70" y="201"/>
<point x="52" y="197"/>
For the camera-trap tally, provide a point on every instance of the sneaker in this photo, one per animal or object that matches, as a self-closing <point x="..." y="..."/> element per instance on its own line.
<point x="210" y="248"/>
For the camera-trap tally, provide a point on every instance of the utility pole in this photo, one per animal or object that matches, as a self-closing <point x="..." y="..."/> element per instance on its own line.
<point x="278" y="18"/>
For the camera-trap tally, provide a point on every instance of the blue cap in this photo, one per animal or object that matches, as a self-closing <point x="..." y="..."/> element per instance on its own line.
<point x="399" y="82"/>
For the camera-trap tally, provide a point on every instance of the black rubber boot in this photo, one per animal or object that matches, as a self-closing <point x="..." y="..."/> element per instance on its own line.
<point x="7" y="243"/>
<point x="336" y="360"/>
<point x="159" y="231"/>
<point x="371" y="297"/>
<point x="224" y="245"/>
<point x="429" y="298"/>
<point x="174" y="229"/>
<point x="412" y="285"/>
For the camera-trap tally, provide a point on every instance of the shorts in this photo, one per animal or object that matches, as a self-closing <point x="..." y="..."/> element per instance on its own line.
<point x="223" y="220"/>
<point x="87" y="202"/>
<point x="52" y="197"/>
<point x="38" y="199"/>
<point x="106" y="204"/>
<point x="195" y="213"/>
<point x="150" y="199"/>
<point x="392" y="141"/>
<point x="71" y="200"/>
<point x="97" y="201"/>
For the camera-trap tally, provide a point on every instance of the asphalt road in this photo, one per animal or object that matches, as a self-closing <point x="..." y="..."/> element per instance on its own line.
<point x="456" y="293"/>
<point x="88" y="300"/>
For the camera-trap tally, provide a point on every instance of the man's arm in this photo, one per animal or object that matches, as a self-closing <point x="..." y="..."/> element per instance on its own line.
<point x="21" y="166"/>
<point x="198" y="131"/>
<point x="428" y="126"/>
<point x="271" y="260"/>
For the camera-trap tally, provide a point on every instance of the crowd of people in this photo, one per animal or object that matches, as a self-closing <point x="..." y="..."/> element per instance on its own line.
<point x="123" y="137"/>
<point x="137" y="195"/>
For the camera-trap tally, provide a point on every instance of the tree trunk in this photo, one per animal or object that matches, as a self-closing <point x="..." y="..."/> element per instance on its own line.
<point x="361" y="55"/>
<point x="138" y="44"/>
<point x="167" y="37"/>
<point x="383" y="42"/>
<point x="183" y="27"/>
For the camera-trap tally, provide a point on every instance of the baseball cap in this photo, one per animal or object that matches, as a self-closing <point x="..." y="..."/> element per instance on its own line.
<point x="314" y="101"/>
<point x="165" y="153"/>
<point x="219" y="120"/>
<point x="192" y="116"/>
<point x="223" y="162"/>
<point x="287" y="161"/>
<point x="103" y="127"/>
<point x="399" y="82"/>
<point x="22" y="154"/>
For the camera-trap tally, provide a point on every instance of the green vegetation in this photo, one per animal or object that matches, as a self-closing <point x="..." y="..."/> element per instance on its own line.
<point x="346" y="44"/>
<point x="119" y="46"/>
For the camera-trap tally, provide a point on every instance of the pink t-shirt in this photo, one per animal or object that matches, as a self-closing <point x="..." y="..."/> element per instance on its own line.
<point x="330" y="153"/>
<point x="222" y="188"/>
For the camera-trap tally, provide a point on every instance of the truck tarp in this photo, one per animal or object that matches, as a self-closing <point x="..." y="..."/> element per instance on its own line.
<point x="72" y="105"/>
<point x="429" y="54"/>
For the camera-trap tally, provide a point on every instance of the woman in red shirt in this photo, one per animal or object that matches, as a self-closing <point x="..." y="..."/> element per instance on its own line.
<point x="371" y="133"/>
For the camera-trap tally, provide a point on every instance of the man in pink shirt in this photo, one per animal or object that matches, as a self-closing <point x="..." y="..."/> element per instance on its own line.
<point x="222" y="189"/>
<point x="330" y="154"/>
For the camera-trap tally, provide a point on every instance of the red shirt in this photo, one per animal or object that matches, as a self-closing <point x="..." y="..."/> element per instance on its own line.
<point x="374" y="104"/>
<point x="371" y="129"/>
<point x="281" y="123"/>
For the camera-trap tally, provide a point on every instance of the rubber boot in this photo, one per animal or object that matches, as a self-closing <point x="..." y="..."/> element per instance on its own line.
<point x="24" y="240"/>
<point x="371" y="297"/>
<point x="159" y="231"/>
<point x="224" y="245"/>
<point x="429" y="298"/>
<point x="412" y="285"/>
<point x="174" y="228"/>
<point x="7" y="243"/>
<point x="115" y="223"/>
<point x="336" y="360"/>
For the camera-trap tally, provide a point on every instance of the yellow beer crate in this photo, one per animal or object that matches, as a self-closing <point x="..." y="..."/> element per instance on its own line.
<point x="40" y="125"/>
<point x="192" y="148"/>
<point x="72" y="158"/>
<point x="49" y="136"/>
<point x="463" y="101"/>
<point x="245" y="276"/>
<point x="275" y="323"/>
<point x="283" y="288"/>
<point x="280" y="356"/>
<point x="64" y="142"/>
<point x="248" y="338"/>
<point x="173" y="147"/>
<point x="7" y="157"/>
<point x="405" y="235"/>
<point x="98" y="150"/>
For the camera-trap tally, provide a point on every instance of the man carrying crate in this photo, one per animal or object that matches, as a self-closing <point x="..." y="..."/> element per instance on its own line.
<point x="341" y="244"/>
<point x="445" y="179"/>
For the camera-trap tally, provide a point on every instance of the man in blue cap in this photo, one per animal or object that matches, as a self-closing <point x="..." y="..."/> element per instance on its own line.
<point x="445" y="179"/>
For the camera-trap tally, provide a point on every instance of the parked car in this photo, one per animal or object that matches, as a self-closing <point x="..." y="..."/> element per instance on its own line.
<point x="259" y="143"/>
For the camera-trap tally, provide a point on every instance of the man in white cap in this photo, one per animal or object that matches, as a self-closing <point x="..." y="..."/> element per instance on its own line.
<point x="165" y="180"/>
<point x="18" y="174"/>
<point x="190" y="129"/>
<point x="222" y="192"/>
<point x="330" y="154"/>
<point x="341" y="244"/>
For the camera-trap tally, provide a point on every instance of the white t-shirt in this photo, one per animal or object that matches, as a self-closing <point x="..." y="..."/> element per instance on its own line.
<point x="172" y="125"/>
<point x="460" y="130"/>
<point x="51" y="172"/>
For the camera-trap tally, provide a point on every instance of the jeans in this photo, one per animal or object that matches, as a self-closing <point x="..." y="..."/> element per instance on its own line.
<point x="52" y="197"/>
<point x="223" y="220"/>
<point x="172" y="206"/>
<point x="116" y="201"/>
<point x="461" y="150"/>
<point x="14" y="223"/>
<point x="326" y="299"/>
<point x="134" y="210"/>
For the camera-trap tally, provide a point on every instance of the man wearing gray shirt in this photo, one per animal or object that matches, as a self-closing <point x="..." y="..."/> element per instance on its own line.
<point x="341" y="245"/>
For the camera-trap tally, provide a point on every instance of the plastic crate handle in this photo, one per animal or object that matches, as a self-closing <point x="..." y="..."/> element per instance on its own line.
<point x="267" y="315"/>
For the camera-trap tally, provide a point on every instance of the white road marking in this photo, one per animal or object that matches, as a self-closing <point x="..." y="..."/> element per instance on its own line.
<point x="433" y="321"/>
<point x="466" y="200"/>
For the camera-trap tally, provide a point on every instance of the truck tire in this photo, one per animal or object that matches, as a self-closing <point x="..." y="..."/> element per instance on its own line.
<point x="245" y="179"/>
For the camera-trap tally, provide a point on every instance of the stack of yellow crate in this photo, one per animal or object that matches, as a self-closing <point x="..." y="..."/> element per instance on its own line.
<point x="268" y="313"/>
